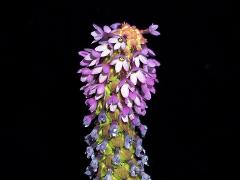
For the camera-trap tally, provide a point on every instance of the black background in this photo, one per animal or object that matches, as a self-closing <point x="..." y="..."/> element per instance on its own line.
<point x="192" y="119"/>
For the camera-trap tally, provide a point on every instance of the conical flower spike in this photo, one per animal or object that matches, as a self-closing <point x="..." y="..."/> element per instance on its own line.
<point x="120" y="74"/>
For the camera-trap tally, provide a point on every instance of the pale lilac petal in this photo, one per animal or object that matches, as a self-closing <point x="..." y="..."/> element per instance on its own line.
<point x="136" y="60"/>
<point x="143" y="59"/>
<point x="126" y="65"/>
<point x="125" y="119"/>
<point x="101" y="47"/>
<point x="155" y="33"/>
<point x="141" y="77"/>
<point x="97" y="70"/>
<point x="102" y="78"/>
<point x="137" y="101"/>
<point x="115" y="25"/>
<point x="83" y="53"/>
<point x="113" y="107"/>
<point x="118" y="66"/>
<point x="107" y="29"/>
<point x="92" y="63"/>
<point x="105" y="52"/>
<point x="113" y="40"/>
<point x="133" y="78"/>
<point x="114" y="61"/>
<point x="154" y="26"/>
<point x="123" y="45"/>
<point x="94" y="34"/>
<point x="117" y="46"/>
<point x="88" y="57"/>
<point x="83" y="78"/>
<point x="100" y="89"/>
<point x="125" y="90"/>
<point x="84" y="63"/>
<point x="98" y="28"/>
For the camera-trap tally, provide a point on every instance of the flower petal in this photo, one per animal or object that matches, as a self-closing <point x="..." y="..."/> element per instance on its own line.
<point x="125" y="90"/>
<point x="113" y="40"/>
<point x="101" y="47"/>
<point x="123" y="45"/>
<point x="114" y="61"/>
<point x="98" y="28"/>
<point x="83" y="53"/>
<point x="100" y="89"/>
<point x="125" y="119"/>
<point x="97" y="70"/>
<point x="102" y="78"/>
<point x="118" y="66"/>
<point x="136" y="60"/>
<point x="92" y="63"/>
<point x="155" y="33"/>
<point x="141" y="77"/>
<point x="125" y="65"/>
<point x="143" y="59"/>
<point x="113" y="107"/>
<point x="107" y="29"/>
<point x="117" y="46"/>
<point x="105" y="52"/>
<point x="137" y="101"/>
<point x="133" y="78"/>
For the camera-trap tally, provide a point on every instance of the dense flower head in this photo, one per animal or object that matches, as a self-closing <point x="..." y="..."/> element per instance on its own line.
<point x="119" y="75"/>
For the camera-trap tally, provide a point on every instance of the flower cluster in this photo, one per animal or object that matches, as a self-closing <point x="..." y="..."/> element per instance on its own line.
<point x="120" y="73"/>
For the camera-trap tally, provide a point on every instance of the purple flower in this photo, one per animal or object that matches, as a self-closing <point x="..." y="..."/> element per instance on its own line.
<point x="128" y="141"/>
<point x="89" y="152"/>
<point x="135" y="122"/>
<point x="105" y="73"/>
<point x="103" y="70"/>
<point x="92" y="103"/>
<point x="94" y="164"/>
<point x="89" y="171"/>
<point x="94" y="133"/>
<point x="113" y="130"/>
<point x="134" y="170"/>
<point x="91" y="57"/>
<point x="102" y="146"/>
<point x="153" y="30"/>
<point x="126" y="111"/>
<point x="115" y="25"/>
<point x="147" y="52"/>
<point x="145" y="176"/>
<point x="100" y="91"/>
<point x="137" y="75"/>
<point x="87" y="120"/>
<point x="86" y="75"/>
<point x="125" y="90"/>
<point x="105" y="49"/>
<point x="139" y="150"/>
<point x="112" y="103"/>
<point x="97" y="34"/>
<point x="134" y="97"/>
<point x="108" y="175"/>
<point x="146" y="92"/>
<point x="120" y="62"/>
<point x="139" y="58"/>
<point x="116" y="158"/>
<point x="143" y="130"/>
<point x="102" y="117"/>
<point x="143" y="161"/>
<point x="118" y="42"/>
